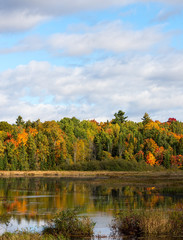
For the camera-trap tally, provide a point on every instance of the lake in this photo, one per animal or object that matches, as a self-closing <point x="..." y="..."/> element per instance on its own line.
<point x="31" y="202"/>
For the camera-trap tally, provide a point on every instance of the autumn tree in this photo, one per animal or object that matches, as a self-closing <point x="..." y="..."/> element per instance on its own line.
<point x="6" y="127"/>
<point x="150" y="159"/>
<point x="57" y="145"/>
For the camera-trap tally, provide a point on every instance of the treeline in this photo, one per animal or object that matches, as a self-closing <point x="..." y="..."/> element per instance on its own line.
<point x="88" y="145"/>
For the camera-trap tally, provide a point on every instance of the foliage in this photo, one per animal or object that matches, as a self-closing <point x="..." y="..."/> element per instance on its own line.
<point x="4" y="126"/>
<point x="119" y="117"/>
<point x="150" y="159"/>
<point x="146" y="119"/>
<point x="88" y="145"/>
<point x="112" y="165"/>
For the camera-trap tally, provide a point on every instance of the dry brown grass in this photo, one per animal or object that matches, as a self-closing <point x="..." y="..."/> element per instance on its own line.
<point x="29" y="236"/>
<point x="156" y="223"/>
<point x="86" y="174"/>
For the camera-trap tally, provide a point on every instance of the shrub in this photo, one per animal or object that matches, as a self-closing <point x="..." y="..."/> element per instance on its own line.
<point x="70" y="225"/>
<point x="111" y="165"/>
<point x="126" y="223"/>
<point x="5" y="218"/>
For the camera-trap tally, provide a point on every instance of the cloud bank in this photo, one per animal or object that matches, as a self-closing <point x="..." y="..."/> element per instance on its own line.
<point x="113" y="37"/>
<point x="136" y="85"/>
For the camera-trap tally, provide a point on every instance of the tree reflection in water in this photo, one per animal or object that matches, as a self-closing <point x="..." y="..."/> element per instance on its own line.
<point x="37" y="199"/>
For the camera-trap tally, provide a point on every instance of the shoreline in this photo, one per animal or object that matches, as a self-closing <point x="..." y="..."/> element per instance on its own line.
<point x="87" y="174"/>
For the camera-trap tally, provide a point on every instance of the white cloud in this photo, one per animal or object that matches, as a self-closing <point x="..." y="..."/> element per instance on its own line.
<point x="135" y="85"/>
<point x="31" y="43"/>
<point x="175" y="2"/>
<point x="57" y="7"/>
<point x="19" y="20"/>
<point x="114" y="37"/>
<point x="21" y="15"/>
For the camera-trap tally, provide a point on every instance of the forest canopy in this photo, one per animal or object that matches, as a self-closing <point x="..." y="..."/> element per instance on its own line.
<point x="119" y="144"/>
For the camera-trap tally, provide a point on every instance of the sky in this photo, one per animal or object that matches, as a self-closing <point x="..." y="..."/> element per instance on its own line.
<point x="90" y="59"/>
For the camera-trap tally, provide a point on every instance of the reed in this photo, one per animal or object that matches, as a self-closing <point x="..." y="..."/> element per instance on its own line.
<point x="148" y="222"/>
<point x="29" y="236"/>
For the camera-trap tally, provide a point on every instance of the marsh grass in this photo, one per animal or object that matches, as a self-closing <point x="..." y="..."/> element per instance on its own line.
<point x="148" y="222"/>
<point x="29" y="236"/>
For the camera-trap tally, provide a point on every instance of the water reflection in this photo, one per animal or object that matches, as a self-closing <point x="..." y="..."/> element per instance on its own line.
<point x="30" y="202"/>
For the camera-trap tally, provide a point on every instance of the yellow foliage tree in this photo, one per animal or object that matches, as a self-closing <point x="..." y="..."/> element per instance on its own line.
<point x="22" y="137"/>
<point x="150" y="145"/>
<point x="152" y="125"/>
<point x="150" y="159"/>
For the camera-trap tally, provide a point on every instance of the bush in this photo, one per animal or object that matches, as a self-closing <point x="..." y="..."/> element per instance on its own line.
<point x="126" y="223"/>
<point x="111" y="165"/>
<point x="70" y="225"/>
<point x="148" y="222"/>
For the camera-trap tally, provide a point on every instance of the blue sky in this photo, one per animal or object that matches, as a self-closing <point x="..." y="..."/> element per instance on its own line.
<point x="91" y="58"/>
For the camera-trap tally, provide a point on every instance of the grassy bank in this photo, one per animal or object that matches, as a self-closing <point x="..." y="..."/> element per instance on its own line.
<point x="92" y="174"/>
<point x="104" y="168"/>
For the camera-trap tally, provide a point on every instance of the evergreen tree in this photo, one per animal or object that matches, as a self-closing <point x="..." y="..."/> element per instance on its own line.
<point x="146" y="119"/>
<point x="5" y="161"/>
<point x="23" y="158"/>
<point x="20" y="121"/>
<point x="98" y="147"/>
<point x="31" y="152"/>
<point x="167" y="161"/>
<point x="119" y="117"/>
<point x="1" y="163"/>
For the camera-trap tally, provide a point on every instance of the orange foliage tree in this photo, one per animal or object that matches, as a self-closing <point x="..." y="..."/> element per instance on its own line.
<point x="150" y="159"/>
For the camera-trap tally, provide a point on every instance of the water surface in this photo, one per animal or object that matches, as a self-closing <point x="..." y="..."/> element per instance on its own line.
<point x="31" y="202"/>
